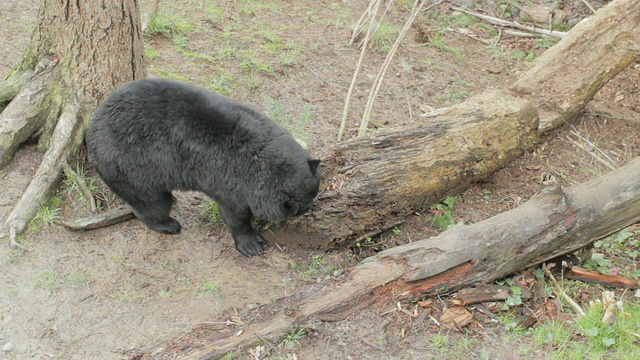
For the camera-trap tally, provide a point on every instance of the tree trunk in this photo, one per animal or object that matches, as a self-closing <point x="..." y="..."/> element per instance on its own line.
<point x="552" y="223"/>
<point x="78" y="53"/>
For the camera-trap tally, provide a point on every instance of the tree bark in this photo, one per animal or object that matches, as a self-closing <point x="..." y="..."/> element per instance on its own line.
<point x="78" y="53"/>
<point x="554" y="222"/>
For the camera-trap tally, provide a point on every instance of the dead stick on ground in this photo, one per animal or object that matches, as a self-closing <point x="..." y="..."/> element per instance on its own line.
<point x="594" y="155"/>
<point x="561" y="292"/>
<point x="501" y="22"/>
<point x="593" y="146"/>
<point x="589" y="6"/>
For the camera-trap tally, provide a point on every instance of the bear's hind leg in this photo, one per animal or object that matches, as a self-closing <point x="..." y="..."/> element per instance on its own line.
<point x="154" y="212"/>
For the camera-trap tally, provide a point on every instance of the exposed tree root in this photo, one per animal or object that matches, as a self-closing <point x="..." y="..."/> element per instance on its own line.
<point x="66" y="137"/>
<point x="24" y="115"/>
<point x="96" y="221"/>
<point x="10" y="87"/>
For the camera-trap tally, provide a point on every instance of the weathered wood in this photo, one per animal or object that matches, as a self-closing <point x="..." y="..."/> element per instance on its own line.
<point x="567" y="76"/>
<point x="552" y="223"/>
<point x="483" y="293"/>
<point x="103" y="219"/>
<point x="595" y="277"/>
<point x="371" y="183"/>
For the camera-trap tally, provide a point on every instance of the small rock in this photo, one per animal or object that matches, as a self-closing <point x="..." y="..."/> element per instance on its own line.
<point x="8" y="347"/>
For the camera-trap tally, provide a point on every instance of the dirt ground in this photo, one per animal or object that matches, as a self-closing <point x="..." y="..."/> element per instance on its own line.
<point x="124" y="291"/>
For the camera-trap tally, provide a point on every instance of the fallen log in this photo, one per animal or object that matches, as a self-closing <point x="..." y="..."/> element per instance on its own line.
<point x="554" y="222"/>
<point x="567" y="76"/>
<point x="371" y="184"/>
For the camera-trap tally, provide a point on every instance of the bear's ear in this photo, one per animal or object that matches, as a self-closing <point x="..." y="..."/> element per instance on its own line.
<point x="313" y="165"/>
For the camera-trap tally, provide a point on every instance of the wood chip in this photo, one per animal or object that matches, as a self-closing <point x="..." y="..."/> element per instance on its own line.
<point x="456" y="317"/>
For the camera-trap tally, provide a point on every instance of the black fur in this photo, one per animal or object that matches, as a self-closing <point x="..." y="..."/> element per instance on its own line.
<point x="154" y="136"/>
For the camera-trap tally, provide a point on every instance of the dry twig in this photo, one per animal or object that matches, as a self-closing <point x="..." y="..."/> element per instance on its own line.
<point x="375" y="88"/>
<point x="559" y="291"/>
<point x="345" y="111"/>
<point x="512" y="24"/>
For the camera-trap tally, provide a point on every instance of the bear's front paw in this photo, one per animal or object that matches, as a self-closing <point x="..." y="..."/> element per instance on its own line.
<point x="249" y="244"/>
<point x="169" y="226"/>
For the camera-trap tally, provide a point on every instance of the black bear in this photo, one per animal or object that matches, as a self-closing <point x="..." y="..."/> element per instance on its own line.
<point x="154" y="136"/>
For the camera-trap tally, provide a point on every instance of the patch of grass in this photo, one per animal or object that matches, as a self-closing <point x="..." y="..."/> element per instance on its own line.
<point x="53" y="280"/>
<point x="519" y="55"/>
<point x="168" y="74"/>
<point x="254" y="7"/>
<point x="383" y="38"/>
<point x="165" y="293"/>
<point x="226" y="51"/>
<point x="73" y="189"/>
<point x="214" y="14"/>
<point x="511" y="324"/>
<point x="289" y="57"/>
<point x="16" y="254"/>
<point x="275" y="110"/>
<point x="439" y="340"/>
<point x="211" y="214"/>
<point x="252" y="82"/>
<point x="590" y="338"/>
<point x="546" y="42"/>
<point x="292" y="340"/>
<point x="222" y="84"/>
<point x="623" y="243"/>
<point x="599" y="263"/>
<point x="438" y="41"/>
<point x="210" y="288"/>
<point x="454" y="96"/>
<point x="47" y="216"/>
<point x="251" y="64"/>
<point x="150" y="53"/>
<point x="487" y="29"/>
<point x="343" y="17"/>
<point x="169" y="25"/>
<point x="317" y="267"/>
<point x="443" y="218"/>
<point x="127" y="296"/>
